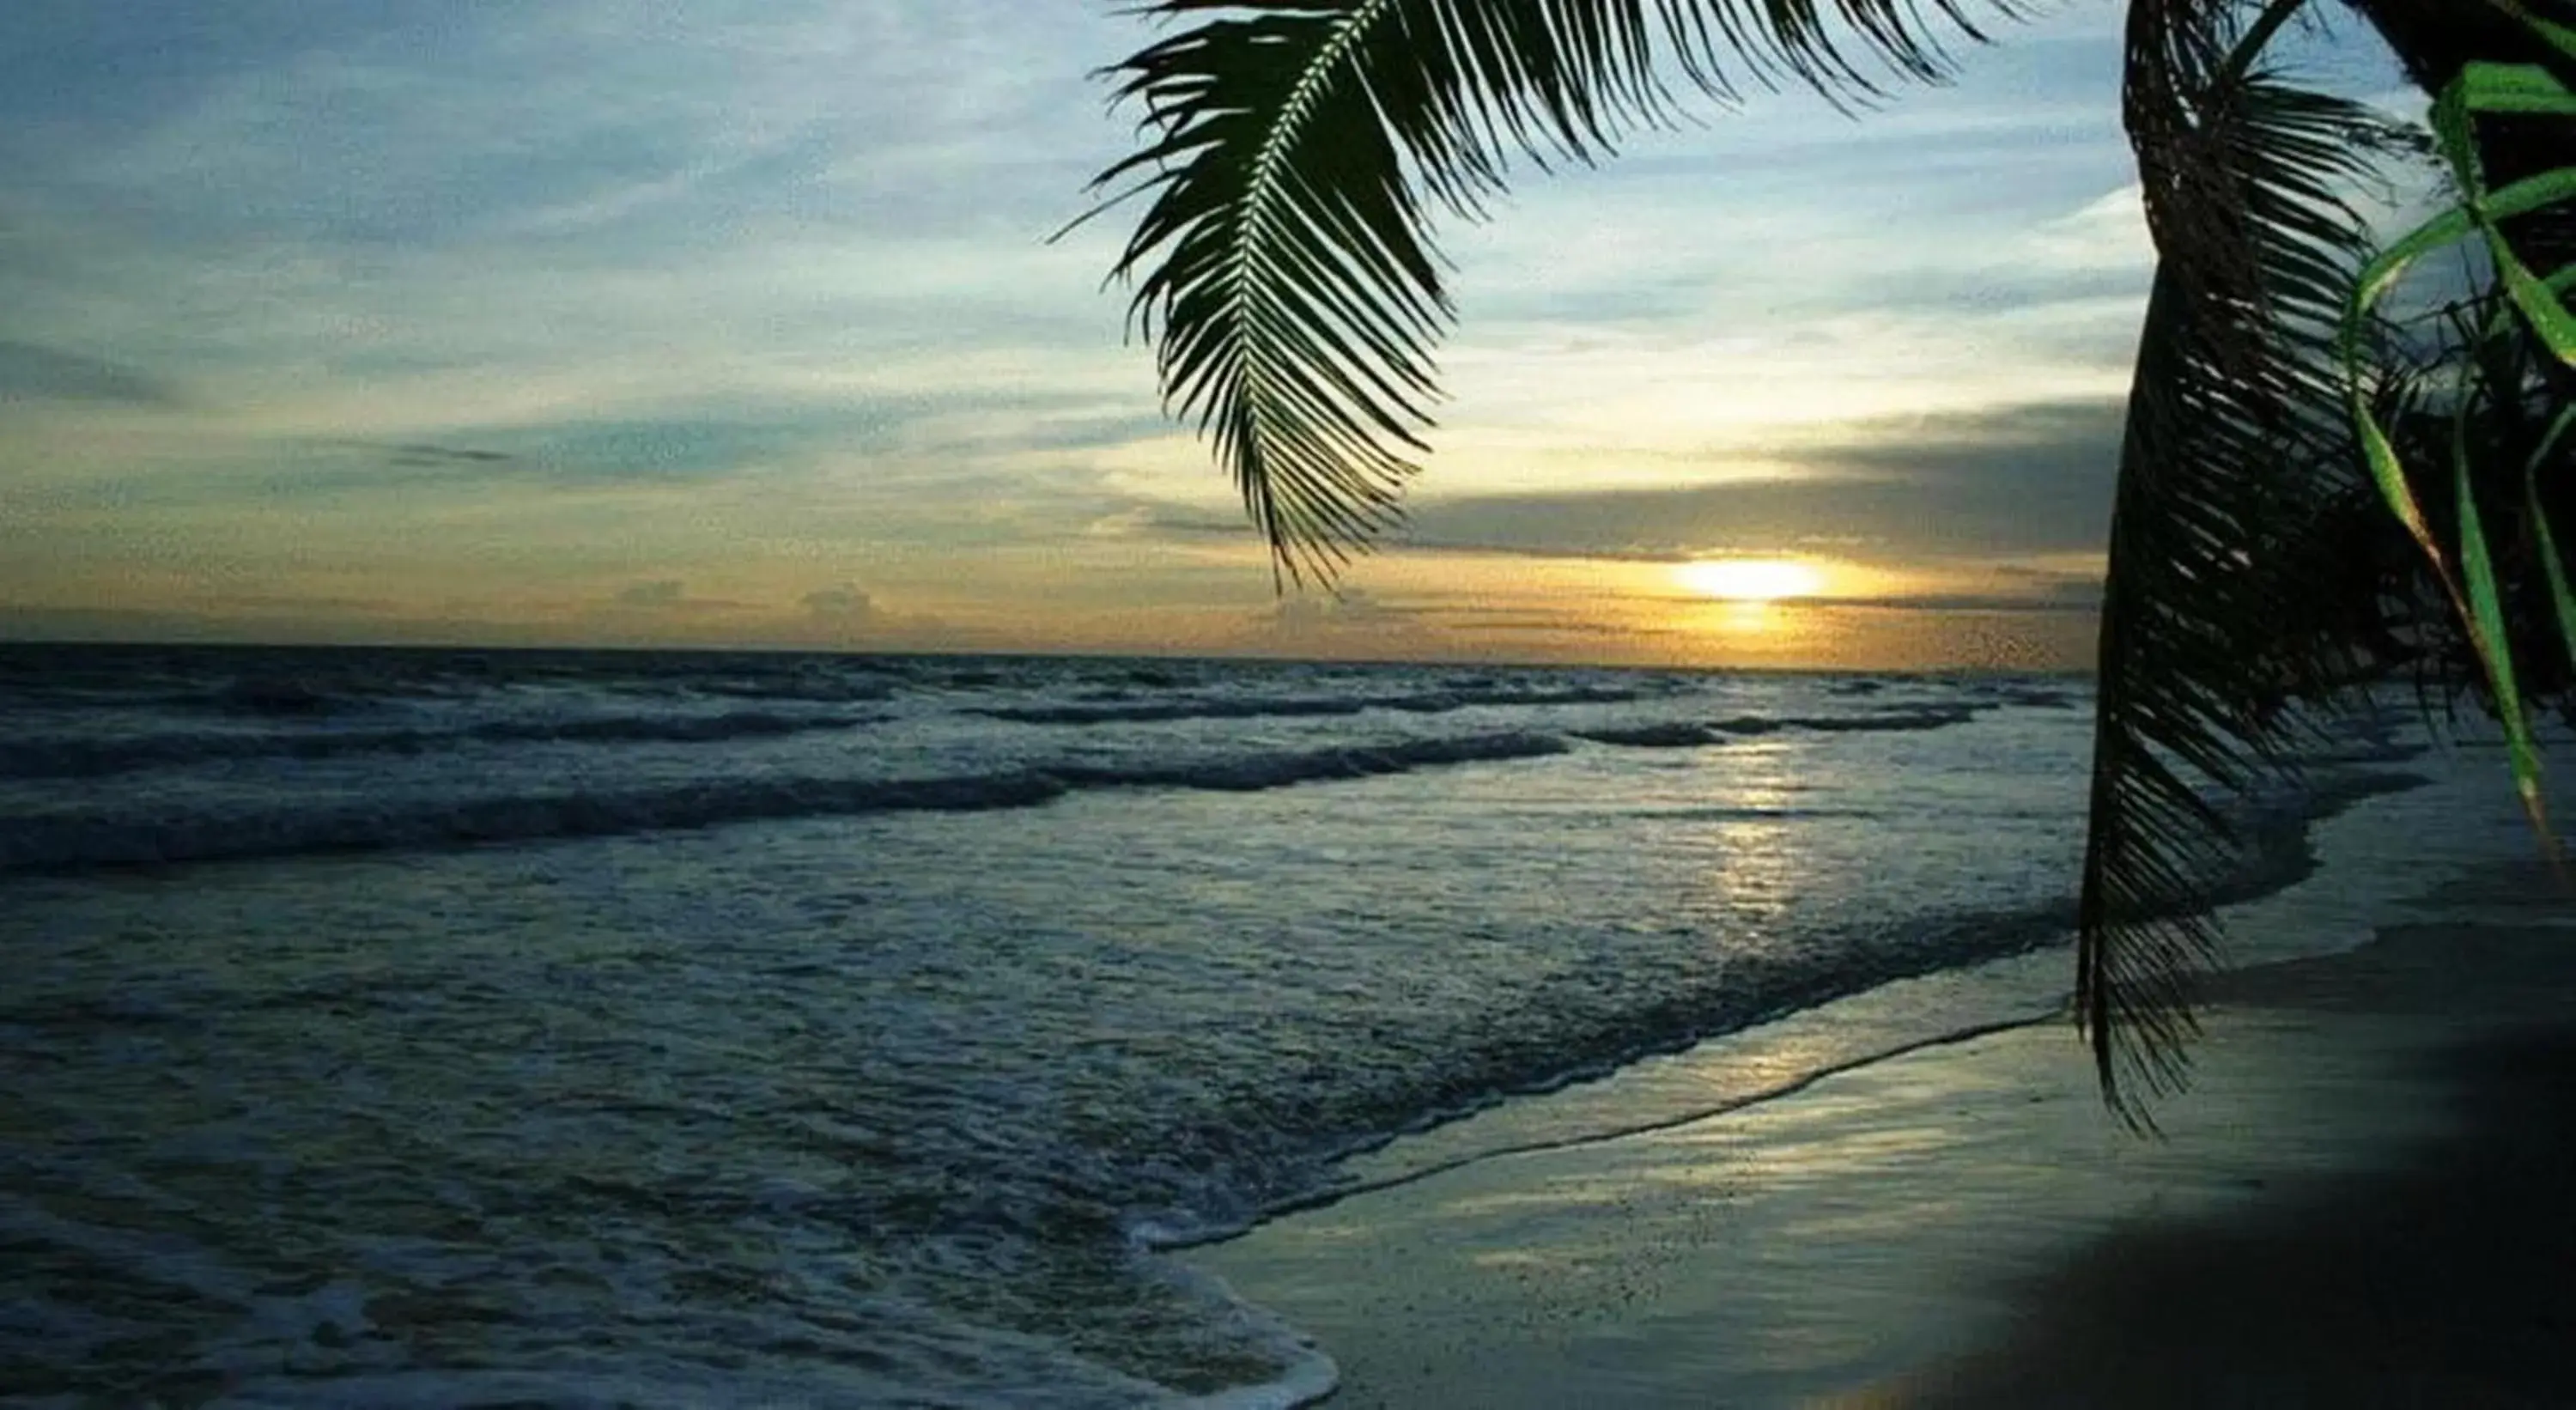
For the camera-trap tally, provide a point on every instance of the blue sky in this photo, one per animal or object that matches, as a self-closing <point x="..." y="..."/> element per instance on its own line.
<point x="734" y="322"/>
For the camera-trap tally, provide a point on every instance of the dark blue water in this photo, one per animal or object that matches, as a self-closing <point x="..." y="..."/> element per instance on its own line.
<point x="591" y="1028"/>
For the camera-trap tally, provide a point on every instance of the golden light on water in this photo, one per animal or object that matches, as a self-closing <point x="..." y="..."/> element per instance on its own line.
<point x="1750" y="579"/>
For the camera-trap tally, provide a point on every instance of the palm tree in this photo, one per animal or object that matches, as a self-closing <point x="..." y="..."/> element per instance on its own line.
<point x="1295" y="154"/>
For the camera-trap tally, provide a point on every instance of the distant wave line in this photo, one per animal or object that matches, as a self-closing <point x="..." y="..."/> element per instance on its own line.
<point x="69" y="844"/>
<point x="56" y="846"/>
<point x="59" y="757"/>
<point x="1293" y="706"/>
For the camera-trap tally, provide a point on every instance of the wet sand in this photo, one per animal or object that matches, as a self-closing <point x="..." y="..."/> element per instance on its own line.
<point x="2361" y="1202"/>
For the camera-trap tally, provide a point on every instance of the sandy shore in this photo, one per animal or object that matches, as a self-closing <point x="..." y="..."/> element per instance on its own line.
<point x="2362" y="1202"/>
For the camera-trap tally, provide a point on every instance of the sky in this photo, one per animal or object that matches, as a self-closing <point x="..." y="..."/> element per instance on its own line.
<point x="736" y="323"/>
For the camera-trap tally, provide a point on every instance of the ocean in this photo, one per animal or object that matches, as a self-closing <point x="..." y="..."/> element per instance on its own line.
<point x="444" y="1027"/>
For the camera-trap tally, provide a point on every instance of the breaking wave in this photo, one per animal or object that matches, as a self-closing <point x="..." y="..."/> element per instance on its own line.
<point x="60" y="757"/>
<point x="67" y="843"/>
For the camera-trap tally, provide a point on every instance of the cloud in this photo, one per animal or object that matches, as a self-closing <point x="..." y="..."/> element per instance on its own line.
<point x="622" y="329"/>
<point x="1346" y="607"/>
<point x="661" y="594"/>
<point x="840" y="604"/>
<point x="1348" y="620"/>
<point x="34" y="372"/>
<point x="2010" y="481"/>
<point x="423" y="455"/>
<point x="2022" y="441"/>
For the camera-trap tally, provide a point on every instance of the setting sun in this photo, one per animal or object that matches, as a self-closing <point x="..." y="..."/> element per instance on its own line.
<point x="1750" y="579"/>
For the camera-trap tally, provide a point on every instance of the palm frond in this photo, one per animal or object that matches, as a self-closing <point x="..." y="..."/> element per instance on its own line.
<point x="1296" y="151"/>
<point x="2235" y="436"/>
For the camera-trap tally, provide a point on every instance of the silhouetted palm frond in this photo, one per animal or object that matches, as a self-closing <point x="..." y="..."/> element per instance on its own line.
<point x="2236" y="431"/>
<point x="1296" y="150"/>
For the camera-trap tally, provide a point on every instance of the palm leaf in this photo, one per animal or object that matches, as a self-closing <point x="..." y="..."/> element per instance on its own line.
<point x="2480" y="88"/>
<point x="2562" y="598"/>
<point x="1295" y="153"/>
<point x="2234" y="432"/>
<point x="1296" y="150"/>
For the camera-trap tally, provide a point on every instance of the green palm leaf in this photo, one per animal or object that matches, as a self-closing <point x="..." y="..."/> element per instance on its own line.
<point x="1296" y="151"/>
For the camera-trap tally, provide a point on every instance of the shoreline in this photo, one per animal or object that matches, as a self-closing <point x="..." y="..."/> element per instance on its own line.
<point x="1940" y="1226"/>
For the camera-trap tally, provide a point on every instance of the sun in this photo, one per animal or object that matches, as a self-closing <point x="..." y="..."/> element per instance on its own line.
<point x="1750" y="579"/>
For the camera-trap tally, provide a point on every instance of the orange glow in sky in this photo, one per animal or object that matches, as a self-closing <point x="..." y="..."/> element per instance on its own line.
<point x="774" y="359"/>
<point x="1750" y="579"/>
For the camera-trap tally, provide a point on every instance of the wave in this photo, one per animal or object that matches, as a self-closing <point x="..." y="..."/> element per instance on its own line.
<point x="1677" y="734"/>
<point x="1924" y="718"/>
<point x="1662" y="735"/>
<point x="278" y="696"/>
<point x="68" y="844"/>
<point x="1330" y="1195"/>
<point x="838" y="689"/>
<point x="2275" y="851"/>
<point x="2274" y="831"/>
<point x="1278" y="707"/>
<point x="1931" y="717"/>
<point x="75" y="757"/>
<point x="1723" y="813"/>
<point x="1147" y="712"/>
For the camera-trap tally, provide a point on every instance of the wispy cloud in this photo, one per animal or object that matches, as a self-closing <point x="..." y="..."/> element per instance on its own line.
<point x="33" y="372"/>
<point x="2007" y="482"/>
<point x="493" y="316"/>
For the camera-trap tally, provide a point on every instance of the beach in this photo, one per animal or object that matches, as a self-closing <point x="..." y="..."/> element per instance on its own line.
<point x="2359" y="1202"/>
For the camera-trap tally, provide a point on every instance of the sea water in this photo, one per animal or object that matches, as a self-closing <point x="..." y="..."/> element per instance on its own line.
<point x="591" y="1028"/>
